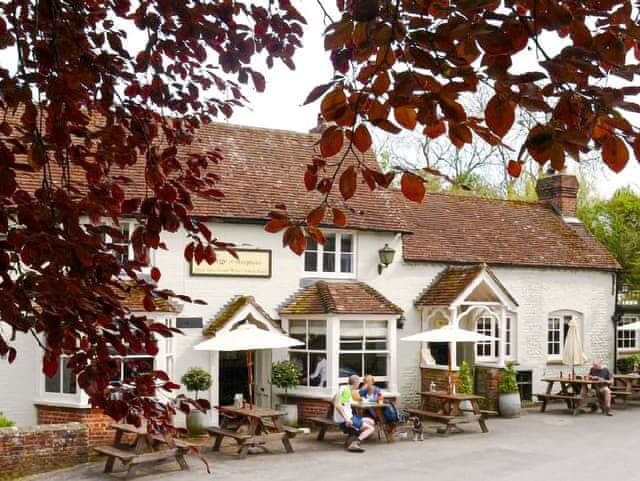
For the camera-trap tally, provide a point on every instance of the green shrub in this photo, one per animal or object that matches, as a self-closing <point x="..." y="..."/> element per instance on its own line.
<point x="626" y="365"/>
<point x="196" y="379"/>
<point x="465" y="381"/>
<point x="4" y="422"/>
<point x="285" y="375"/>
<point x="508" y="383"/>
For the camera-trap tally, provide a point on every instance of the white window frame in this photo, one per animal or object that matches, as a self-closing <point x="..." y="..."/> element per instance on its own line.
<point x="494" y="347"/>
<point x="320" y="255"/>
<point x="363" y="351"/>
<point x="131" y="226"/>
<point x="308" y="352"/>
<point x="628" y="335"/>
<point x="563" y="316"/>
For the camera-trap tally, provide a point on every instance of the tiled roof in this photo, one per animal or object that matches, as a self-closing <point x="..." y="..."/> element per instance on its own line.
<point x="226" y="313"/>
<point x="452" y="281"/>
<point x="132" y="299"/>
<point x="325" y="297"/>
<point x="259" y="169"/>
<point x="470" y="230"/>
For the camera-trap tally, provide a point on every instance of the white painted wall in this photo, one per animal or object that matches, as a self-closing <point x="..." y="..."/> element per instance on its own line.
<point x="538" y="292"/>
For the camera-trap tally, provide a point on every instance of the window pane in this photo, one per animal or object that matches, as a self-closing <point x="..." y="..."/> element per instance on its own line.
<point x="376" y="335"/>
<point x="351" y="335"/>
<point x="300" y="360"/>
<point x="330" y="245"/>
<point x="346" y="262"/>
<point x="68" y="379"/>
<point x="312" y="245"/>
<point x="346" y="243"/>
<point x="350" y="364"/>
<point x="329" y="262"/>
<point x="310" y="261"/>
<point x="318" y="335"/>
<point x="318" y="370"/>
<point x="52" y="384"/>
<point x="139" y="364"/>
<point x="375" y="364"/>
<point x="298" y="330"/>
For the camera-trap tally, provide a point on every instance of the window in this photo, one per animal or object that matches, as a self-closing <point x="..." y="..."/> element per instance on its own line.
<point x="336" y="256"/>
<point x="64" y="381"/>
<point x="126" y="367"/>
<point x="525" y="384"/>
<point x="627" y="338"/>
<point x="311" y="357"/>
<point x="364" y="349"/>
<point x="189" y="323"/>
<point x="557" y="328"/>
<point x="125" y="250"/>
<point x="490" y="350"/>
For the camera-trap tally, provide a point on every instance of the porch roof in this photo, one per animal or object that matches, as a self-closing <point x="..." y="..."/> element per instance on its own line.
<point x="227" y="313"/>
<point x="325" y="297"/>
<point x="133" y="299"/>
<point x="451" y="283"/>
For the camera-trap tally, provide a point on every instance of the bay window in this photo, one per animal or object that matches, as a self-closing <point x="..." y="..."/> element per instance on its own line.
<point x="336" y="257"/>
<point x="364" y="349"/>
<point x="64" y="381"/>
<point x="311" y="357"/>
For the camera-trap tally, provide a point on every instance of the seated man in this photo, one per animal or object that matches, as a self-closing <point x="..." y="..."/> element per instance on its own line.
<point x="350" y="422"/>
<point x="604" y="391"/>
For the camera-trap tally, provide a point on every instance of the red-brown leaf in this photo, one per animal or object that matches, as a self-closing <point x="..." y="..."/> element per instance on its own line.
<point x="514" y="168"/>
<point x="155" y="274"/>
<point x="500" y="115"/>
<point x="276" y="225"/>
<point x="339" y="219"/>
<point x="331" y="141"/>
<point x="460" y="134"/>
<point x="615" y="153"/>
<point x="333" y="104"/>
<point x="362" y="138"/>
<point x="348" y="181"/>
<point x="148" y="303"/>
<point x="316" y="216"/>
<point x="405" y="116"/>
<point x="310" y="180"/>
<point x="412" y="186"/>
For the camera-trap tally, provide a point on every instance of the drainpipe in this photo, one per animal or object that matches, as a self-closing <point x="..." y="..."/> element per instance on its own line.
<point x="617" y="315"/>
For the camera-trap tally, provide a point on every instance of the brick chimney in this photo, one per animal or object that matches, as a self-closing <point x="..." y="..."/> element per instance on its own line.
<point x="561" y="192"/>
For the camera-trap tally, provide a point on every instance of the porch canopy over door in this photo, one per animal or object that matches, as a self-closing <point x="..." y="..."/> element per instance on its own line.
<point x="459" y="296"/>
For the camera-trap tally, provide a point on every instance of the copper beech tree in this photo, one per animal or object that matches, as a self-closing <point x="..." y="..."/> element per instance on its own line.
<point x="101" y="89"/>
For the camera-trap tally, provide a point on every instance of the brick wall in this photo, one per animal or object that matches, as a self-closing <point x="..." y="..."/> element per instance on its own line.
<point x="99" y="424"/>
<point x="485" y="384"/>
<point x="42" y="448"/>
<point x="439" y="376"/>
<point x="308" y="407"/>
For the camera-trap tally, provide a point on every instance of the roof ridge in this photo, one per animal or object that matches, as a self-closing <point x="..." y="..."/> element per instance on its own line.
<point x="470" y="196"/>
<point x="325" y="296"/>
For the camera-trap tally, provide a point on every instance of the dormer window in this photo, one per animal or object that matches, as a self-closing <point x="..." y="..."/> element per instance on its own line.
<point x="336" y="257"/>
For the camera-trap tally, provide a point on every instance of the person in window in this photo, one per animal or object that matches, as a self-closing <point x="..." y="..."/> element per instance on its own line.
<point x="320" y="372"/>
<point x="599" y="372"/>
<point x="349" y="422"/>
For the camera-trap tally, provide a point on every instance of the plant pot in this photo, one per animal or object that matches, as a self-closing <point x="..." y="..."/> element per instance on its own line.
<point x="291" y="418"/>
<point x="197" y="423"/>
<point x="509" y="405"/>
<point x="466" y="408"/>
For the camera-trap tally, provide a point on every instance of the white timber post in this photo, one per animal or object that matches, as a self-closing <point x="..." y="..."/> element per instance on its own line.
<point x="453" y="320"/>
<point x="502" y="326"/>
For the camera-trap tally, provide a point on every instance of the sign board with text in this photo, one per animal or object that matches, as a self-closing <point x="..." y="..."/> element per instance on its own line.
<point x="250" y="263"/>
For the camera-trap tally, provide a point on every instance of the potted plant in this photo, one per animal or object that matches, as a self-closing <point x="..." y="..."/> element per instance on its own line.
<point x="465" y="386"/>
<point x="509" y="403"/>
<point x="196" y="379"/>
<point x="4" y="422"/>
<point x="285" y="375"/>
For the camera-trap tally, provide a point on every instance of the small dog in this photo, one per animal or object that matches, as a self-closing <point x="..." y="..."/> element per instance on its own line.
<point x="418" y="430"/>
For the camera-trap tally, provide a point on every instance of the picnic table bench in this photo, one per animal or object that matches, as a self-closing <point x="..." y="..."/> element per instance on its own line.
<point x="450" y="414"/>
<point x="257" y="426"/>
<point x="146" y="449"/>
<point x="574" y="391"/>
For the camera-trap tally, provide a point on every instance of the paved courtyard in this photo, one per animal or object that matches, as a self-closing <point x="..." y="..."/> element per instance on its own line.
<point x="550" y="446"/>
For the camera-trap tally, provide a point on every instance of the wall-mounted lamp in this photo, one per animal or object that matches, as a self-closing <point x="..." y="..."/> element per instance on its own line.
<point x="386" y="257"/>
<point x="400" y="322"/>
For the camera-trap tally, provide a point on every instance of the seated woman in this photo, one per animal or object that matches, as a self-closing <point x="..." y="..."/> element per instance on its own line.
<point x="369" y="393"/>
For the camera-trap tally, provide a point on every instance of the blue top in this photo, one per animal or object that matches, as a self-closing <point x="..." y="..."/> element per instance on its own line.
<point x="364" y="394"/>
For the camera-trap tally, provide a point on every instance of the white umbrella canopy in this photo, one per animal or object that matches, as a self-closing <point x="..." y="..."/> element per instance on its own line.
<point x="247" y="337"/>
<point x="573" y="354"/>
<point x="449" y="333"/>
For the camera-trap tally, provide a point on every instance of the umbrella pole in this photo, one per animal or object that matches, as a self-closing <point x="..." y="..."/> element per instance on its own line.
<point x="449" y="365"/>
<point x="250" y="376"/>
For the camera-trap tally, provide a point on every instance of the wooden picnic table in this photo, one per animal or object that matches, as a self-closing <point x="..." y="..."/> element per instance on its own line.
<point x="626" y="387"/>
<point x="449" y="410"/>
<point x="143" y="448"/>
<point x="365" y="409"/>
<point x="252" y="427"/>
<point x="575" y="392"/>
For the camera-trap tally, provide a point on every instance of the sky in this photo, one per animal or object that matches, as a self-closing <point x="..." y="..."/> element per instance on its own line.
<point x="280" y="106"/>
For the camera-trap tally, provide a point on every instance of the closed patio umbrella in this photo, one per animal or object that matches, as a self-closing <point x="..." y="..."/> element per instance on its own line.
<point x="573" y="354"/>
<point x="247" y="337"/>
<point x="448" y="333"/>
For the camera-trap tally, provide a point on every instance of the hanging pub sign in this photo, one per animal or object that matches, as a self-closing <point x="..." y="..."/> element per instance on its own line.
<point x="249" y="263"/>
